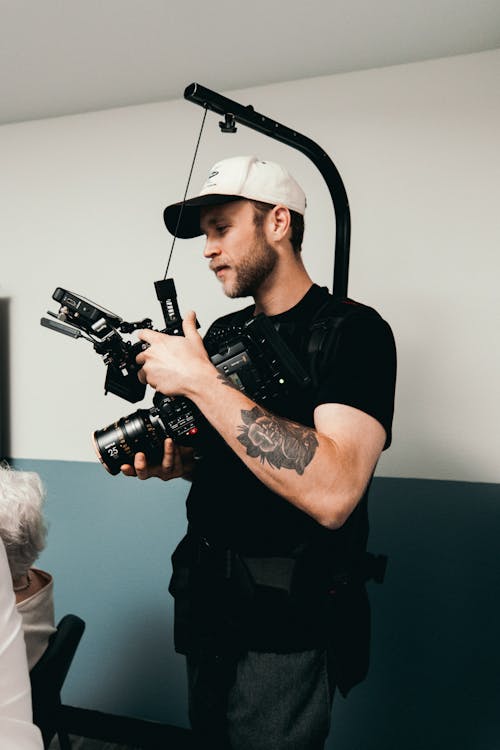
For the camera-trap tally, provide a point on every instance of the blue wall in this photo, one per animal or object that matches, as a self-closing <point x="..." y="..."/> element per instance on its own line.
<point x="434" y="679"/>
<point x="109" y="546"/>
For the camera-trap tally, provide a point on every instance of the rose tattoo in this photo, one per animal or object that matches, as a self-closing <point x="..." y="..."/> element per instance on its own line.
<point x="279" y="442"/>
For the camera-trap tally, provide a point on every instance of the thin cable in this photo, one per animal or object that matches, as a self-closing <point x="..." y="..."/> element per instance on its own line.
<point x="185" y="192"/>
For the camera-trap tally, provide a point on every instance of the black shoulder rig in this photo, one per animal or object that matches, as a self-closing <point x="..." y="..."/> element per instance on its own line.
<point x="326" y="328"/>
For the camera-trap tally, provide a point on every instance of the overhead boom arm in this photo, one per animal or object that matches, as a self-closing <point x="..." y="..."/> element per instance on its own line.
<point x="234" y="112"/>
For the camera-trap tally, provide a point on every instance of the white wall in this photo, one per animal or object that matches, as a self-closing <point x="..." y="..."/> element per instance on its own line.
<point x="418" y="149"/>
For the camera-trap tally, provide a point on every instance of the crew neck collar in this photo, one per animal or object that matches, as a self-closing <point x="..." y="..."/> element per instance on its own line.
<point x="308" y="303"/>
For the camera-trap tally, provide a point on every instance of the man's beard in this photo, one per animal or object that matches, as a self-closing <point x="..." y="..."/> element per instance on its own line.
<point x="253" y="270"/>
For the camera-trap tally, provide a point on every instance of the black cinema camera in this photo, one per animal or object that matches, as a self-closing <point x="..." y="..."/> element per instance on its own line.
<point x="254" y="358"/>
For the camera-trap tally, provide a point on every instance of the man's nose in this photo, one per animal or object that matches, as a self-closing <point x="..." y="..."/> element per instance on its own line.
<point x="211" y="248"/>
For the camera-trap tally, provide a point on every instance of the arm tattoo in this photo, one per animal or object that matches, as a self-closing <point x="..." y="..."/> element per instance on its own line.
<point x="277" y="440"/>
<point x="225" y="380"/>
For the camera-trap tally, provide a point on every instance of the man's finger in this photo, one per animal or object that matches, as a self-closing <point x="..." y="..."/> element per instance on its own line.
<point x="189" y="324"/>
<point x="128" y="470"/>
<point x="147" y="335"/>
<point x="168" y="453"/>
<point x="140" y="463"/>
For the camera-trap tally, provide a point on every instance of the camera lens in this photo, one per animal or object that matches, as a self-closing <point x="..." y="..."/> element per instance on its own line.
<point x="118" y="443"/>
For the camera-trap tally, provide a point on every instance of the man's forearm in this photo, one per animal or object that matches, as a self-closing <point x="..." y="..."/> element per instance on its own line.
<point x="297" y="462"/>
<point x="323" y="471"/>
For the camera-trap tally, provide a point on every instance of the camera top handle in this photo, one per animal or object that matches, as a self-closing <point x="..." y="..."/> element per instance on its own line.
<point x="234" y="112"/>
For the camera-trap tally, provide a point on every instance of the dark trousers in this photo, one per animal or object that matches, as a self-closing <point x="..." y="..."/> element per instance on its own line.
<point x="261" y="701"/>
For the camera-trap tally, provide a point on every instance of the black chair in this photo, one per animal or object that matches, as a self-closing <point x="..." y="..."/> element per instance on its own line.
<point x="47" y="678"/>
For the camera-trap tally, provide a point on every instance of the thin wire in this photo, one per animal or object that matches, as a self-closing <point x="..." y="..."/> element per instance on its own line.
<point x="186" y="190"/>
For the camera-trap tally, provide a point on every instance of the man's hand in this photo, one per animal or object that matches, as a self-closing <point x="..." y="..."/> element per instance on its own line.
<point x="177" y="461"/>
<point x="173" y="364"/>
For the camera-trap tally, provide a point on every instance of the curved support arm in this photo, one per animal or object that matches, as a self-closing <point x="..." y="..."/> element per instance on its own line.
<point x="252" y="119"/>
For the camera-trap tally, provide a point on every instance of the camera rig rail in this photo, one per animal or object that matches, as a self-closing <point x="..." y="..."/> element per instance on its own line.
<point x="78" y="317"/>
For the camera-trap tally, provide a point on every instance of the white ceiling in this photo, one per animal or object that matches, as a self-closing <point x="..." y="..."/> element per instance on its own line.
<point x="61" y="57"/>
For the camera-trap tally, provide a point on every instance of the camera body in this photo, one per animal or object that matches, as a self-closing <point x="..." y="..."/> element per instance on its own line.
<point x="253" y="358"/>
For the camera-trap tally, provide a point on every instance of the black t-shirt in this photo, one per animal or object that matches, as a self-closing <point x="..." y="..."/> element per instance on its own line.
<point x="228" y="504"/>
<point x="228" y="508"/>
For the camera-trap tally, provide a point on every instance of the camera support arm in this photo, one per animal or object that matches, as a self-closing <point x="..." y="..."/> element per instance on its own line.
<point x="234" y="112"/>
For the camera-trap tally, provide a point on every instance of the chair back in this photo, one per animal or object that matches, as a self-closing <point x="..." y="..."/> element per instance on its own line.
<point x="48" y="675"/>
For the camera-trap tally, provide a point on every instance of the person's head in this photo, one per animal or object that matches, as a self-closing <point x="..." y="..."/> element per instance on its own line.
<point x="251" y="211"/>
<point x="263" y="182"/>
<point x="22" y="525"/>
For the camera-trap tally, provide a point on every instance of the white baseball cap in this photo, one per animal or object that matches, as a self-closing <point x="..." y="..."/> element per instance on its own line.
<point x="233" y="179"/>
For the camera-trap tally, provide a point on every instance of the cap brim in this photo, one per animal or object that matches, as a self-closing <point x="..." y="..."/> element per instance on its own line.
<point x="183" y="219"/>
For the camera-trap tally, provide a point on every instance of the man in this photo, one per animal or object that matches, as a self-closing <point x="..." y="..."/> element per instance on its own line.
<point x="271" y="608"/>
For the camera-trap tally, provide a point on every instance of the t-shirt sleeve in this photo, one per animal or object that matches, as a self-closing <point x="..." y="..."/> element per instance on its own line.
<point x="360" y="371"/>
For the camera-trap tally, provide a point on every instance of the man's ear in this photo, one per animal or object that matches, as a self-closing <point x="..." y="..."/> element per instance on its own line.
<point x="279" y="221"/>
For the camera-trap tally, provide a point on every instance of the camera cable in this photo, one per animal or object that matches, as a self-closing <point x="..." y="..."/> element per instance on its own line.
<point x="186" y="190"/>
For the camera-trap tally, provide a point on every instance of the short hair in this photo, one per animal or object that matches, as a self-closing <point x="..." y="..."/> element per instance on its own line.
<point x="22" y="525"/>
<point x="296" y="222"/>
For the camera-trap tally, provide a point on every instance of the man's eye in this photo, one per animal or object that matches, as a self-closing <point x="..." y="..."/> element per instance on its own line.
<point x="221" y="228"/>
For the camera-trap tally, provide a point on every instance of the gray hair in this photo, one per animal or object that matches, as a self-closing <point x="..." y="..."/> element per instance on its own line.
<point x="22" y="525"/>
